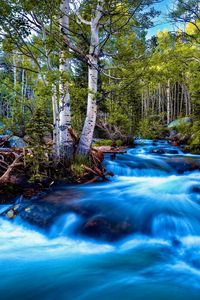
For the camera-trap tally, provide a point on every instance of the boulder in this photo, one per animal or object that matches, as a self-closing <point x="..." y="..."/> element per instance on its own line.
<point x="196" y="189"/>
<point x="184" y="164"/>
<point x="173" y="133"/>
<point x="158" y="151"/>
<point x="179" y="122"/>
<point x="106" y="229"/>
<point x="40" y="215"/>
<point x="12" y="142"/>
<point x="16" y="142"/>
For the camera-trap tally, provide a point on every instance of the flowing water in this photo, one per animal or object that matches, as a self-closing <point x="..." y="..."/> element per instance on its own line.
<point x="148" y="247"/>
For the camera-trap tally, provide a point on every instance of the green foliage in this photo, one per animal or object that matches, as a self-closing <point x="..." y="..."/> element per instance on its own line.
<point x="100" y="143"/>
<point x="133" y="66"/>
<point x="78" y="164"/>
<point x="119" y="143"/>
<point x="195" y="137"/>
<point x="38" y="157"/>
<point x="120" y="119"/>
<point x="150" y="128"/>
<point x="184" y="128"/>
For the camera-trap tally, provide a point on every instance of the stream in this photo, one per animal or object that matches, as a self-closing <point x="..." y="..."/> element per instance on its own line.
<point x="136" y="236"/>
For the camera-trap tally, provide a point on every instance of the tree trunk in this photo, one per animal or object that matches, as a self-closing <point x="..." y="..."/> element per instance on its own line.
<point x="90" y="121"/>
<point x="168" y="101"/>
<point x="159" y="99"/>
<point x="56" y="140"/>
<point x="14" y="75"/>
<point x="65" y="138"/>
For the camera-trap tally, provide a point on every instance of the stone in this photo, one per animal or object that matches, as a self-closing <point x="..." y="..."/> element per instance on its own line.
<point x="196" y="189"/>
<point x="39" y="214"/>
<point x="184" y="164"/>
<point x="16" y="142"/>
<point x="157" y="151"/>
<point x="179" y="122"/>
<point x="11" y="214"/>
<point x="106" y="229"/>
<point x="173" y="133"/>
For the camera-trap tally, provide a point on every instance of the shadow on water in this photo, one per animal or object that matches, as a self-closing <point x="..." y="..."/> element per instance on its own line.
<point x="135" y="237"/>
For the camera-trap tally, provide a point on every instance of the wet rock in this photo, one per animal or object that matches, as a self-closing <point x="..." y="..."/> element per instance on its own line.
<point x="184" y="164"/>
<point x="164" y="150"/>
<point x="172" y="151"/>
<point x="42" y="210"/>
<point x="106" y="229"/>
<point x="11" y="214"/>
<point x="40" y="215"/>
<point x="196" y="189"/>
<point x="158" y="151"/>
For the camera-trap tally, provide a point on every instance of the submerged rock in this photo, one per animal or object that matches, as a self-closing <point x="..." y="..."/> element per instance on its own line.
<point x="106" y="229"/>
<point x="196" y="189"/>
<point x="40" y="215"/>
<point x="184" y="164"/>
<point x="164" y="151"/>
<point x="157" y="151"/>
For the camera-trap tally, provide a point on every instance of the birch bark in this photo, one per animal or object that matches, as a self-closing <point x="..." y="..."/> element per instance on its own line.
<point x="93" y="57"/>
<point x="168" y="101"/>
<point x="65" y="138"/>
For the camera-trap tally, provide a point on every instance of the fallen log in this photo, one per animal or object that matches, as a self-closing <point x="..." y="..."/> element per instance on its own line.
<point x="11" y="164"/>
<point x="5" y="177"/>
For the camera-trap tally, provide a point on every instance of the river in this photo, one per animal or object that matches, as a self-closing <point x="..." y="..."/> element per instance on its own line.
<point x="141" y="239"/>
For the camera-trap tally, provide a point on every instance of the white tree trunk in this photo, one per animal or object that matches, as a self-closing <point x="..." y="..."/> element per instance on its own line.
<point x="168" y="101"/>
<point x="65" y="138"/>
<point x="14" y="75"/>
<point x="56" y="137"/>
<point x="90" y="121"/>
<point x="159" y="98"/>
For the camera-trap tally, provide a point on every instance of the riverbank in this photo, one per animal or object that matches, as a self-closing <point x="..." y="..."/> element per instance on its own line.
<point x="27" y="189"/>
<point x="45" y="205"/>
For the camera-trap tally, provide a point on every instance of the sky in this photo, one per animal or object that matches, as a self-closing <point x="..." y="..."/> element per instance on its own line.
<point x="161" y="23"/>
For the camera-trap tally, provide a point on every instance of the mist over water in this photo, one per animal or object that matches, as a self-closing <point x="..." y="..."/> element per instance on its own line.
<point x="152" y="252"/>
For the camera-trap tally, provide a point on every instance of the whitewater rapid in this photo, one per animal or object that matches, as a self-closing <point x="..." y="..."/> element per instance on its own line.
<point x="159" y="258"/>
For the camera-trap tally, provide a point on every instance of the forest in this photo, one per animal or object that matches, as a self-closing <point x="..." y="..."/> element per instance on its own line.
<point x="73" y="72"/>
<point x="95" y="106"/>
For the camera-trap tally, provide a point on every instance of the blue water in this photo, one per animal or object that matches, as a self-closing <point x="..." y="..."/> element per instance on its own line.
<point x="156" y="256"/>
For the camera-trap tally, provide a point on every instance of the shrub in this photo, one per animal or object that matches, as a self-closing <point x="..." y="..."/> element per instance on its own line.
<point x="195" y="137"/>
<point x="78" y="164"/>
<point x="100" y="143"/>
<point x="151" y="128"/>
<point x="119" y="143"/>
